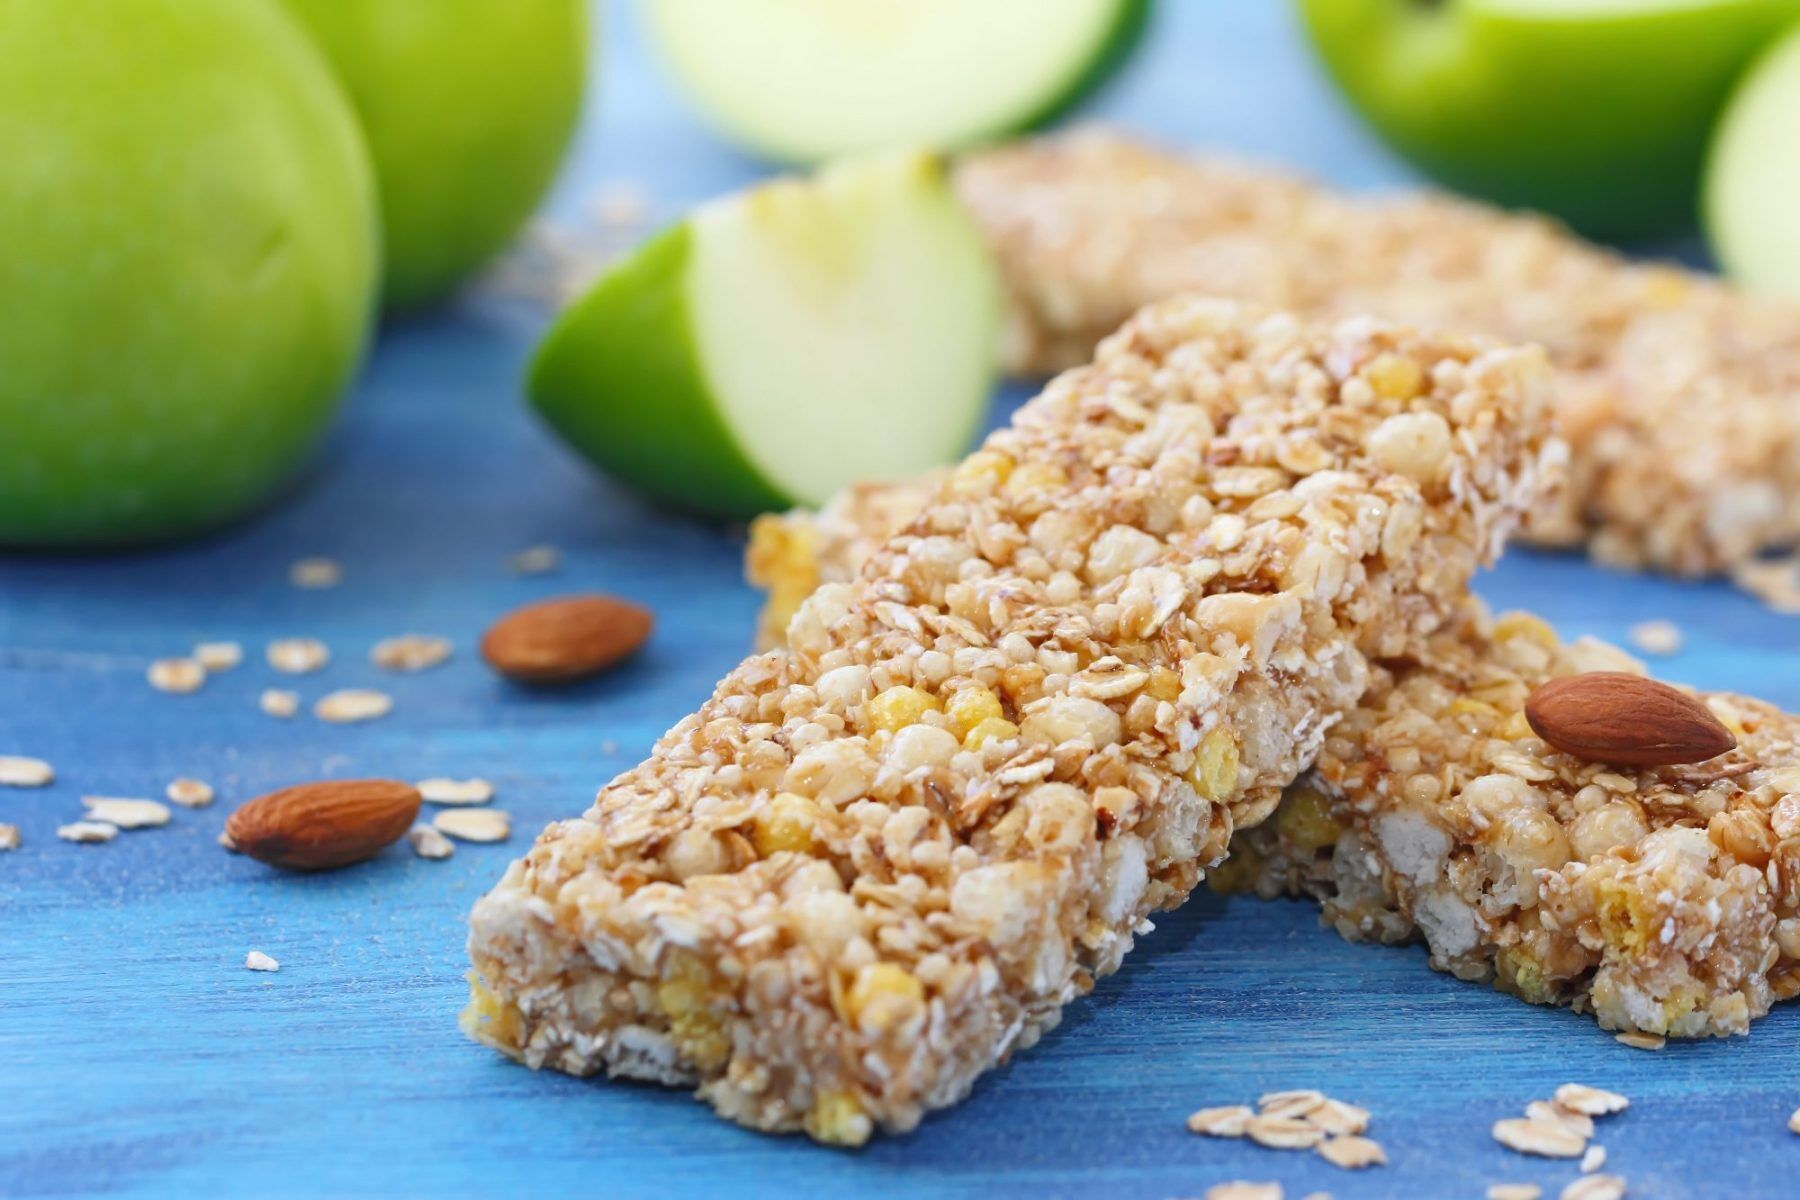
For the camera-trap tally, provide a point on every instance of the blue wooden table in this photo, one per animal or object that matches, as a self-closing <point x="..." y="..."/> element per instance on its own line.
<point x="139" y="1057"/>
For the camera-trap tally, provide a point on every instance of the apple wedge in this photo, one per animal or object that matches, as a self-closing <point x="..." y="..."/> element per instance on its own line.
<point x="1752" y="196"/>
<point x="803" y="80"/>
<point x="780" y="343"/>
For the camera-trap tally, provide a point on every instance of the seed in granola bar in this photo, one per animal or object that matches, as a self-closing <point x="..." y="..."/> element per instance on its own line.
<point x="1656" y="637"/>
<point x="1592" y="1101"/>
<point x="19" y="772"/>
<point x="315" y="573"/>
<point x="456" y="791"/>
<point x="351" y="705"/>
<point x="1224" y="1121"/>
<point x="1238" y="1189"/>
<point x="297" y="656"/>
<point x="535" y="560"/>
<point x="87" y="831"/>
<point x="1283" y="1133"/>
<point x="1550" y="1139"/>
<point x="9" y="837"/>
<point x="256" y="960"/>
<point x="1614" y="717"/>
<point x="218" y="656"/>
<point x="189" y="793"/>
<point x="474" y="824"/>
<point x="410" y="652"/>
<point x="429" y="843"/>
<point x="279" y="702"/>
<point x="1595" y="1187"/>
<point x="178" y="676"/>
<point x="1352" y="1152"/>
<point x="1593" y="1160"/>
<point x="564" y="640"/>
<point x="126" y="814"/>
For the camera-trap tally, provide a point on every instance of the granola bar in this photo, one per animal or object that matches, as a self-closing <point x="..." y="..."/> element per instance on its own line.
<point x="1663" y="900"/>
<point x="1089" y="226"/>
<point x="874" y="865"/>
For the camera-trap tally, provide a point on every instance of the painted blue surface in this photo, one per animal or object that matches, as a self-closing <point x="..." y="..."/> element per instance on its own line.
<point x="139" y="1058"/>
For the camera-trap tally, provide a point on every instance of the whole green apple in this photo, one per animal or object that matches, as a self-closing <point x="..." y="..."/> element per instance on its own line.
<point x="188" y="262"/>
<point x="1597" y="111"/>
<point x="468" y="106"/>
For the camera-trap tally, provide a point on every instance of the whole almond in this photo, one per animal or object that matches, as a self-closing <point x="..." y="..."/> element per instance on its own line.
<point x="1614" y="717"/>
<point x="563" y="640"/>
<point x="333" y="823"/>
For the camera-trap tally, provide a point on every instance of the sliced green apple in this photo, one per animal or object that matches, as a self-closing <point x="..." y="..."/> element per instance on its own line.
<point x="1597" y="111"/>
<point x="802" y="80"/>
<point x="778" y="344"/>
<point x="1752" y="196"/>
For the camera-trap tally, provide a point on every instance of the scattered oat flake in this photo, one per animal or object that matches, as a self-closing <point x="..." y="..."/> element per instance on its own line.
<point x="189" y="793"/>
<point x="297" y="656"/>
<point x="1550" y="1139"/>
<point x="455" y="791"/>
<point x="1283" y="1133"/>
<point x="9" y="837"/>
<point x="1595" y="1187"/>
<point x="316" y="573"/>
<point x="279" y="703"/>
<point x="1291" y="1103"/>
<point x="474" y="824"/>
<point x="256" y="960"/>
<point x="1514" y="1191"/>
<point x="178" y="676"/>
<point x="19" y="772"/>
<point x="126" y="814"/>
<point x="1641" y="1041"/>
<point x="1794" y="1121"/>
<point x="535" y="560"/>
<point x="1776" y="582"/>
<point x="351" y="705"/>
<point x="1549" y="1110"/>
<point x="1351" y="1152"/>
<point x="87" y="831"/>
<point x="410" y="652"/>
<point x="619" y="204"/>
<point x="1593" y="1101"/>
<point x="1226" y="1120"/>
<point x="1316" y="1196"/>
<point x="1336" y="1116"/>
<point x="429" y="843"/>
<point x="1656" y="637"/>
<point x="1237" y="1189"/>
<point x="1593" y="1160"/>
<point x="218" y="656"/>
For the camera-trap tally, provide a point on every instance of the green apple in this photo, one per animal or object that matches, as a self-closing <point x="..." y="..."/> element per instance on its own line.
<point x="1752" y="196"/>
<point x="1596" y="111"/>
<point x="804" y="80"/>
<point x="778" y="344"/>
<point x="468" y="106"/>
<point x="189" y="258"/>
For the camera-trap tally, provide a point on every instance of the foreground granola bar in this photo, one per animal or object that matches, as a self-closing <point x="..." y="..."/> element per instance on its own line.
<point x="1679" y="395"/>
<point x="871" y="867"/>
<point x="1662" y="900"/>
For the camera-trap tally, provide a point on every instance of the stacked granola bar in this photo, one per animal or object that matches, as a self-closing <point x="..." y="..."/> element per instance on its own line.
<point x="873" y="866"/>
<point x="1089" y="226"/>
<point x="1663" y="900"/>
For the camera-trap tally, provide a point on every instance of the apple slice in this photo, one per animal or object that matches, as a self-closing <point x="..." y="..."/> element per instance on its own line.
<point x="802" y="80"/>
<point x="1752" y="196"/>
<point x="780" y="343"/>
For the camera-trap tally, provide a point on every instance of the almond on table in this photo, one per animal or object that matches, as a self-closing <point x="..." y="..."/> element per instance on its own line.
<point x="317" y="826"/>
<point x="566" y="639"/>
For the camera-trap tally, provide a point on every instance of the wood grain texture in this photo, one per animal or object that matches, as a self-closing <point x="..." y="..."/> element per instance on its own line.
<point x="139" y="1058"/>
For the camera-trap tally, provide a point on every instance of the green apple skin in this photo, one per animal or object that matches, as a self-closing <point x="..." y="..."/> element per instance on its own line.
<point x="189" y="265"/>
<point x="468" y="106"/>
<point x="1595" y="111"/>
<point x="1752" y="194"/>
<point x="650" y="350"/>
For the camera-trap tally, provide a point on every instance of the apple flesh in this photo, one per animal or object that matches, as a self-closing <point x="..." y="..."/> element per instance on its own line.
<point x="778" y="344"/>
<point x="1596" y="111"/>
<point x="468" y="106"/>
<point x="189" y="261"/>
<point x="1753" y="177"/>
